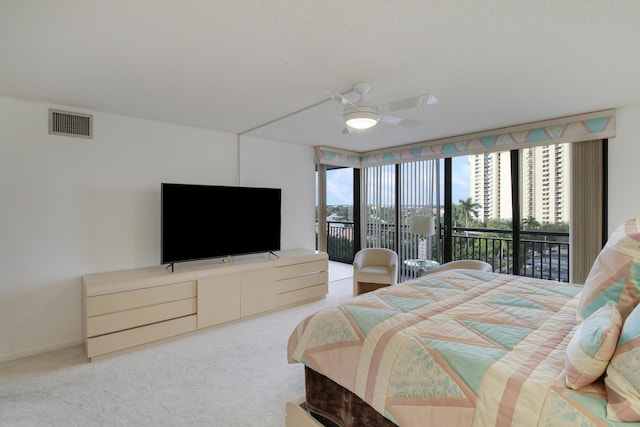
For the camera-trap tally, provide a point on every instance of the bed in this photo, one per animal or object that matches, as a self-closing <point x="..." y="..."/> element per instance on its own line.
<point x="458" y="347"/>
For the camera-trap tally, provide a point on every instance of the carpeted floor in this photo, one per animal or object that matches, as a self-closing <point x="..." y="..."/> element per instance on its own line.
<point x="236" y="375"/>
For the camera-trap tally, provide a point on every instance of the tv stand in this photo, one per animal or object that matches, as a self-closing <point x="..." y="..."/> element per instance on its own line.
<point x="125" y="310"/>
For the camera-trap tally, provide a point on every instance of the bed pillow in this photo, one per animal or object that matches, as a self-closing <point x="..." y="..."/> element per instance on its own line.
<point x="592" y="346"/>
<point x="615" y="274"/>
<point x="623" y="373"/>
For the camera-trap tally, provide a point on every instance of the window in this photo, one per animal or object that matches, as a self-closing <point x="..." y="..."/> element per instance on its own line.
<point x="529" y="236"/>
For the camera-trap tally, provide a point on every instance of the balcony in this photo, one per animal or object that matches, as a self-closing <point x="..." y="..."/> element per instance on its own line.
<point x="542" y="254"/>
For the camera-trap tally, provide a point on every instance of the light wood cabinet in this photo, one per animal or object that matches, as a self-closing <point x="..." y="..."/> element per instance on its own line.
<point x="257" y="291"/>
<point x="218" y="300"/>
<point x="133" y="308"/>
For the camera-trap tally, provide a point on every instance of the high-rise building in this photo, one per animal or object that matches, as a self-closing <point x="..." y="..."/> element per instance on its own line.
<point x="490" y="176"/>
<point x="544" y="184"/>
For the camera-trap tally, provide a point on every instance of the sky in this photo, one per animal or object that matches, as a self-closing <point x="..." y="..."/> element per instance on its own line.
<point x="461" y="186"/>
<point x="340" y="187"/>
<point x="340" y="183"/>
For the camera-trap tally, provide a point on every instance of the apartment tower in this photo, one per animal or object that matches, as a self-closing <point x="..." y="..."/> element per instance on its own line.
<point x="544" y="184"/>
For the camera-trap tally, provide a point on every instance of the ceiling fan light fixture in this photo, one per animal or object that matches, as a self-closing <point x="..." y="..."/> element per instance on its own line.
<point x="361" y="123"/>
<point x="362" y="118"/>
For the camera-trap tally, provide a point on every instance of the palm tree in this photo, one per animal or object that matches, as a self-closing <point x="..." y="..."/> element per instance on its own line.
<point x="530" y="223"/>
<point x="468" y="208"/>
<point x="457" y="215"/>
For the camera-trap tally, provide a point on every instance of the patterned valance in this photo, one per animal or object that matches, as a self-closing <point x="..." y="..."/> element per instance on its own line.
<point x="583" y="127"/>
<point x="335" y="157"/>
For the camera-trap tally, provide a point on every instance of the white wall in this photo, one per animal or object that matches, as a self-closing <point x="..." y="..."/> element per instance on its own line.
<point x="72" y="206"/>
<point x="295" y="164"/>
<point x="624" y="161"/>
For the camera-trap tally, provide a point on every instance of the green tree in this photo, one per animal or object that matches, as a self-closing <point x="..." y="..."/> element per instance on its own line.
<point x="530" y="223"/>
<point x="456" y="215"/>
<point x="469" y="208"/>
<point x="499" y="224"/>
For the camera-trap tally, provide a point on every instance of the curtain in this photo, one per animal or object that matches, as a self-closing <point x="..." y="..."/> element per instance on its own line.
<point x="321" y="203"/>
<point x="378" y="207"/>
<point x="586" y="207"/>
<point x="391" y="196"/>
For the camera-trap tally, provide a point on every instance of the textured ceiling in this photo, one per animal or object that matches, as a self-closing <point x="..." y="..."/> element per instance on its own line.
<point x="236" y="65"/>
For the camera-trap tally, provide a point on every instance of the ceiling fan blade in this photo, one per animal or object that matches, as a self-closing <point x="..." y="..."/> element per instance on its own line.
<point x="413" y="102"/>
<point x="393" y="120"/>
<point x="341" y="99"/>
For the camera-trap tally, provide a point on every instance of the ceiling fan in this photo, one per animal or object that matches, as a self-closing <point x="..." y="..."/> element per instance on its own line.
<point x="363" y="114"/>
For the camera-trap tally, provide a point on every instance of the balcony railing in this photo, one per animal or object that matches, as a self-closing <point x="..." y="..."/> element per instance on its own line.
<point x="340" y="241"/>
<point x="542" y="254"/>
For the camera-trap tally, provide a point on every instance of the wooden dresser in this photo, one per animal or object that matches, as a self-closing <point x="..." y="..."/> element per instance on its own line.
<point x="124" y="310"/>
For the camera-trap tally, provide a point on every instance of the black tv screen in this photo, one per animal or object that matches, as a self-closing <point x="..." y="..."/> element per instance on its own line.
<point x="209" y="221"/>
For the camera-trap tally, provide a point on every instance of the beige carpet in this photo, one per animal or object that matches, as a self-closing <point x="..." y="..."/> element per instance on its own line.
<point x="236" y="375"/>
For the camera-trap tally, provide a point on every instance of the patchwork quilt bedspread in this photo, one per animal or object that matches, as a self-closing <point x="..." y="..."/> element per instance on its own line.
<point x="458" y="347"/>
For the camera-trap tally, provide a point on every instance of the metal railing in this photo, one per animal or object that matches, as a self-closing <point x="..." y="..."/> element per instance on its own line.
<point x="340" y="241"/>
<point x="542" y="254"/>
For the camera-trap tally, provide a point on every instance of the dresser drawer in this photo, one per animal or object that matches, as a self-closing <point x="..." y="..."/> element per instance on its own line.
<point x="145" y="334"/>
<point x="122" y="301"/>
<point x="113" y="322"/>
<point x="295" y="283"/>
<point x="301" y="295"/>
<point x="296" y="270"/>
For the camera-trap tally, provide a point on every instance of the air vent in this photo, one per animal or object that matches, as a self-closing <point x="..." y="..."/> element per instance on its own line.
<point x="70" y="124"/>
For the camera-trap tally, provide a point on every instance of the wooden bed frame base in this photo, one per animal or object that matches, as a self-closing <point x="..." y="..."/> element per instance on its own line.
<point x="331" y="405"/>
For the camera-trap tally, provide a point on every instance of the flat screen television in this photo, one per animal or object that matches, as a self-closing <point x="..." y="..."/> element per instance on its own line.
<point x="210" y="221"/>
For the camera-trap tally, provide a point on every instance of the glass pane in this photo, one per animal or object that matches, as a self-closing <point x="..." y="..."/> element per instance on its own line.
<point x="340" y="226"/>
<point x="544" y="178"/>
<point x="340" y="194"/>
<point x="461" y="182"/>
<point x="482" y="215"/>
